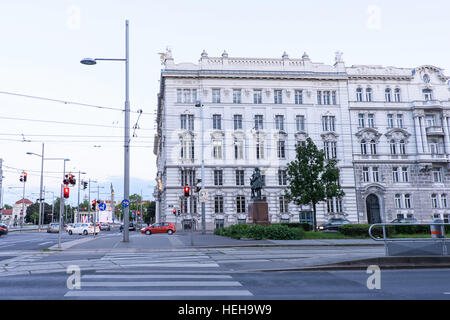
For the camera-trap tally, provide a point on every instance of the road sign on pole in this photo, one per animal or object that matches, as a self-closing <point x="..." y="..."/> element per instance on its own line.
<point x="102" y="206"/>
<point x="203" y="195"/>
<point x="125" y="203"/>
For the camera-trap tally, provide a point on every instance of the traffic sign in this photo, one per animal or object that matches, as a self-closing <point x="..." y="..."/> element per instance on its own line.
<point x="203" y="195"/>
<point x="102" y="206"/>
<point x="125" y="203"/>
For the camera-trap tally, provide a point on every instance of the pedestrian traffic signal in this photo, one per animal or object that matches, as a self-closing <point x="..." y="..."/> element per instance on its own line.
<point x="25" y="177"/>
<point x="174" y="211"/>
<point x="186" y="191"/>
<point x="66" y="192"/>
<point x="69" y="179"/>
<point x="93" y="204"/>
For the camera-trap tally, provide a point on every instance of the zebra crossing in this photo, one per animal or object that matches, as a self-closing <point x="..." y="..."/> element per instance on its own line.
<point x="164" y="275"/>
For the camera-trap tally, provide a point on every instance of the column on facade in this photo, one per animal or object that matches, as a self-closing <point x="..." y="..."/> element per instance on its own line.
<point x="446" y="134"/>
<point x="157" y="213"/>
<point x="418" y="135"/>
<point x="424" y="135"/>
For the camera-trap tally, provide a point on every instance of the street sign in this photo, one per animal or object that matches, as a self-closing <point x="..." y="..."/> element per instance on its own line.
<point x="203" y="195"/>
<point x="102" y="206"/>
<point x="125" y="203"/>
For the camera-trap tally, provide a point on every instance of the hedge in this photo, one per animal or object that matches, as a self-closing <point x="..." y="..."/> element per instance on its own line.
<point x="304" y="225"/>
<point x="363" y="230"/>
<point x="257" y="232"/>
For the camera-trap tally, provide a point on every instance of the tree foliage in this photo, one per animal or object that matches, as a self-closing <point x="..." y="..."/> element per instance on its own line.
<point x="312" y="178"/>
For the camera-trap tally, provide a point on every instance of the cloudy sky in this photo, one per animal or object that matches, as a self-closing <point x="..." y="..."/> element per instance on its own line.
<point x="43" y="41"/>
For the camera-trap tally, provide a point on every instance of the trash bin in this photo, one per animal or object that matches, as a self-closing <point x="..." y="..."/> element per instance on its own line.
<point x="437" y="231"/>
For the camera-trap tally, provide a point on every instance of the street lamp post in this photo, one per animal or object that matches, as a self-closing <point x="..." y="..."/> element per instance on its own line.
<point x="41" y="184"/>
<point x="126" y="189"/>
<point x="79" y="183"/>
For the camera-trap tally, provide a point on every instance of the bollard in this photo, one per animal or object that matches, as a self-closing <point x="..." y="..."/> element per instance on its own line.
<point x="437" y="231"/>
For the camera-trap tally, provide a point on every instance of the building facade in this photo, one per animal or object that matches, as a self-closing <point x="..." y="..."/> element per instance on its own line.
<point x="386" y="126"/>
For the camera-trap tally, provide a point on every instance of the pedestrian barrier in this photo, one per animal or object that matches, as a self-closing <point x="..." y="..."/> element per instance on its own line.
<point x="438" y="244"/>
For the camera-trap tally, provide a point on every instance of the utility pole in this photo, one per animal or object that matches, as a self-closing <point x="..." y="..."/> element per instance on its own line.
<point x="113" y="209"/>
<point x="89" y="201"/>
<point x="23" y="200"/>
<point x="61" y="206"/>
<point x="78" y="207"/>
<point x="40" y="192"/>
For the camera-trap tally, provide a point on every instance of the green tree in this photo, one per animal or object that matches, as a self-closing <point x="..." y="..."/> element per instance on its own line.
<point x="7" y="206"/>
<point x="311" y="178"/>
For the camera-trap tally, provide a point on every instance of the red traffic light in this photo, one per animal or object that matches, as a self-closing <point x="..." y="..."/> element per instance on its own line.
<point x="66" y="192"/>
<point x="174" y="211"/>
<point x="186" y="191"/>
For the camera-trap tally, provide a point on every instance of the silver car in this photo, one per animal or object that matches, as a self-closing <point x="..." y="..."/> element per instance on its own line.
<point x="53" y="227"/>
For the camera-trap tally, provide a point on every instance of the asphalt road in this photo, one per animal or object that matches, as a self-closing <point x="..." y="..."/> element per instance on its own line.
<point x="33" y="240"/>
<point x="182" y="284"/>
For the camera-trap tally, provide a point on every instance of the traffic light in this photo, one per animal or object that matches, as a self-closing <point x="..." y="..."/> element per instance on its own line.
<point x="93" y="204"/>
<point x="85" y="184"/>
<point x="174" y="211"/>
<point x="23" y="177"/>
<point x="69" y="179"/>
<point x="186" y="191"/>
<point x="198" y="185"/>
<point x="66" y="192"/>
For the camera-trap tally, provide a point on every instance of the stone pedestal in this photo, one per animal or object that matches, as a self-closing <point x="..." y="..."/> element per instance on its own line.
<point x="258" y="212"/>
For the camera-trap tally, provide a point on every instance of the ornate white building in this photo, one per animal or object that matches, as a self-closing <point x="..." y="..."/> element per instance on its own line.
<point x="387" y="126"/>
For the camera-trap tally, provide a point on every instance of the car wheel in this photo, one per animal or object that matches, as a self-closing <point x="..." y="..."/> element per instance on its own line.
<point x="169" y="231"/>
<point x="85" y="232"/>
<point x="148" y="232"/>
<point x="70" y="232"/>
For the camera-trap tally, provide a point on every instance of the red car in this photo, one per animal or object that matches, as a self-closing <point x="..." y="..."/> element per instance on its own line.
<point x="161" y="227"/>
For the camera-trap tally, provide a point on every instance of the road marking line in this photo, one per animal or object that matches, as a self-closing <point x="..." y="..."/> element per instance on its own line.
<point x="155" y="276"/>
<point x="174" y="265"/>
<point x="166" y="293"/>
<point x="162" y="284"/>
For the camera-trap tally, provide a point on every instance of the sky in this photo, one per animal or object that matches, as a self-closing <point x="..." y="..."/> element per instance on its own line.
<point x="42" y="43"/>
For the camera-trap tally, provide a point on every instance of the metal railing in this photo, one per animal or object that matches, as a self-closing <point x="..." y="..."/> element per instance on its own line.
<point x="383" y="225"/>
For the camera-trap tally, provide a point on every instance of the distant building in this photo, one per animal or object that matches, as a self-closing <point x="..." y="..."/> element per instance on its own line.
<point x="17" y="216"/>
<point x="388" y="127"/>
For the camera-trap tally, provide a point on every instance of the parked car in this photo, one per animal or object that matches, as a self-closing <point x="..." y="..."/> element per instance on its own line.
<point x="333" y="224"/>
<point x="131" y="227"/>
<point x="404" y="220"/>
<point x="3" y="229"/>
<point x="67" y="227"/>
<point x="53" y="227"/>
<point x="162" y="227"/>
<point x="105" y="226"/>
<point x="84" y="229"/>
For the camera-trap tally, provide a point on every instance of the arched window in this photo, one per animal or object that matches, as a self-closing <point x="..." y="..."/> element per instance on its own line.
<point x="359" y="95"/>
<point x="363" y="147"/>
<point x="444" y="200"/>
<point x="393" y="147"/>
<point x="369" y="94"/>
<point x="398" y="201"/>
<point x="397" y="95"/>
<point x="373" y="147"/>
<point x="387" y="95"/>
<point x="407" y="201"/>
<point x="402" y="147"/>
<point x="434" y="201"/>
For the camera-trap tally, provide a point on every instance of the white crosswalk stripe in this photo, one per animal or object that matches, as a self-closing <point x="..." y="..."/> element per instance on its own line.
<point x="185" y="275"/>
